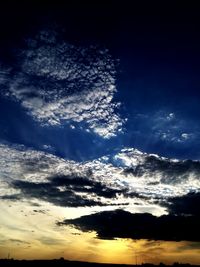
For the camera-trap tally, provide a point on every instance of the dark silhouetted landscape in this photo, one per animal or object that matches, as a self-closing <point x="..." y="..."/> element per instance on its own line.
<point x="63" y="262"/>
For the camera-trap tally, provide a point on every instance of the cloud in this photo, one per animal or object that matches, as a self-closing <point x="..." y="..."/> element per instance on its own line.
<point x="184" y="205"/>
<point x="18" y="241"/>
<point x="122" y="224"/>
<point x="85" y="185"/>
<point x="59" y="83"/>
<point x="67" y="191"/>
<point x="170" y="127"/>
<point x="166" y="126"/>
<point x="159" y="169"/>
<point x="50" y="241"/>
<point x="46" y="192"/>
<point x="136" y="181"/>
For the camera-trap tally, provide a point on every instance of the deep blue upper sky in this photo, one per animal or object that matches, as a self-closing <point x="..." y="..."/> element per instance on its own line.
<point x="158" y="82"/>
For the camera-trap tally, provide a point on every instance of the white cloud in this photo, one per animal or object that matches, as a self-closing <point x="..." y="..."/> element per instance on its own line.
<point x="129" y="157"/>
<point x="170" y="116"/>
<point x="186" y="136"/>
<point x="169" y="127"/>
<point x="142" y="178"/>
<point x="61" y="83"/>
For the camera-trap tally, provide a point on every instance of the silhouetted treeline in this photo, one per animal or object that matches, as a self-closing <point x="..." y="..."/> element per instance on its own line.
<point x="62" y="262"/>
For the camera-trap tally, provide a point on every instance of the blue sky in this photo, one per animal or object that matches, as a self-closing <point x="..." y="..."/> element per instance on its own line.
<point x="99" y="111"/>
<point x="156" y="84"/>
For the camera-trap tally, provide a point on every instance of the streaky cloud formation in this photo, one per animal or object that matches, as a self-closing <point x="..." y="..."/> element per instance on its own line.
<point x="123" y="224"/>
<point x="66" y="191"/>
<point x="59" y="83"/>
<point x="159" y="172"/>
<point x="130" y="179"/>
<point x="27" y="173"/>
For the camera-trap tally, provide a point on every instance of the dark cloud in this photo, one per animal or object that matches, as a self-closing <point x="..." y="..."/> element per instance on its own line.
<point x="65" y="191"/>
<point x="13" y="197"/>
<point x="102" y="180"/>
<point x="122" y="224"/>
<point x="40" y="211"/>
<point x="184" y="205"/>
<point x="50" y="193"/>
<point x="189" y="246"/>
<point x="82" y="184"/>
<point x="170" y="171"/>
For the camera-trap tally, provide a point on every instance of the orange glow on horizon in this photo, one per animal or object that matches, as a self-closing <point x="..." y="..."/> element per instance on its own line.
<point x="28" y="235"/>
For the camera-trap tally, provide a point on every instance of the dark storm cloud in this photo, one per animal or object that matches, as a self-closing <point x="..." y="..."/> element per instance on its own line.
<point x="65" y="191"/>
<point x="188" y="204"/>
<point x="122" y="224"/>
<point x="170" y="171"/>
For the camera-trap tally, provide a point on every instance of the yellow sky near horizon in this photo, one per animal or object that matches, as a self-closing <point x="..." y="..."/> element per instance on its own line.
<point x="26" y="234"/>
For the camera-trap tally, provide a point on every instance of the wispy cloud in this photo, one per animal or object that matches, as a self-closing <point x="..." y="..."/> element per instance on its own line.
<point x="169" y="127"/>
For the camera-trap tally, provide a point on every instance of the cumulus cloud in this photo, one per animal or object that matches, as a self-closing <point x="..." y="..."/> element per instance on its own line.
<point x="169" y="170"/>
<point x="123" y="224"/>
<point x="130" y="178"/>
<point x="58" y="83"/>
<point x="32" y="174"/>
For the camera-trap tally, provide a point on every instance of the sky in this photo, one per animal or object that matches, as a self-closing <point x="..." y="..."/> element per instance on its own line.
<point x="99" y="131"/>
